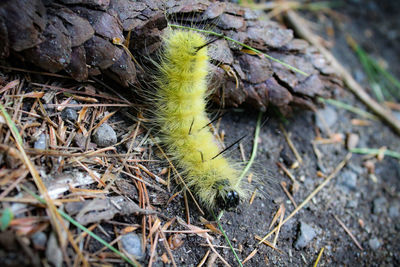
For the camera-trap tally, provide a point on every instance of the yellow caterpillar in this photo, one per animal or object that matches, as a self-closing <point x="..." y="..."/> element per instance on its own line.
<point x="183" y="122"/>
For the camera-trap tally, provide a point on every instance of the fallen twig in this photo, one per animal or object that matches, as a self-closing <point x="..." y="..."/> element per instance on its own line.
<point x="333" y="174"/>
<point x="303" y="31"/>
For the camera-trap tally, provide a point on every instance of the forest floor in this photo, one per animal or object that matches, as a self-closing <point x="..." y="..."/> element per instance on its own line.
<point x="352" y="220"/>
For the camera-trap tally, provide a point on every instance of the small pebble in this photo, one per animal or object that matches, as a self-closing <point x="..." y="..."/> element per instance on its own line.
<point x="74" y="102"/>
<point x="105" y="136"/>
<point x="359" y="75"/>
<point x="69" y="114"/>
<point x="305" y="235"/>
<point x="41" y="142"/>
<point x="133" y="245"/>
<point x="39" y="240"/>
<point x="379" y="205"/>
<point x="394" y="210"/>
<point x="374" y="243"/>
<point x="355" y="168"/>
<point x="352" y="203"/>
<point x="396" y="114"/>
<point x="53" y="252"/>
<point x="347" y="181"/>
<point x="326" y="118"/>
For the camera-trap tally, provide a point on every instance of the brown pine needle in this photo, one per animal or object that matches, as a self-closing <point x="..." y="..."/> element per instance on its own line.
<point x="279" y="225"/>
<point x="291" y="145"/>
<point x="153" y="249"/>
<point x="242" y="153"/>
<point x="348" y="232"/>
<point x="253" y="196"/>
<point x="266" y="242"/>
<point x="283" y="185"/>
<point x="186" y="207"/>
<point x="287" y="172"/>
<point x="301" y="28"/>
<point x="55" y="217"/>
<point x="219" y="256"/>
<point x="322" y="185"/>
<point x="203" y="260"/>
<point x="275" y="218"/>
<point x="251" y="255"/>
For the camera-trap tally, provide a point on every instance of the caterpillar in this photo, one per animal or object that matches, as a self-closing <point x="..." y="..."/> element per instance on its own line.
<point x="180" y="113"/>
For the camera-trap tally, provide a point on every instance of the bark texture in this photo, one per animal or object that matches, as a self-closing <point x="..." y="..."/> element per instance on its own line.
<point x="76" y="36"/>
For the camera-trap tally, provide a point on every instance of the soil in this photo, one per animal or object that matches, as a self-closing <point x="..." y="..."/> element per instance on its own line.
<point x="367" y="208"/>
<point x="367" y="203"/>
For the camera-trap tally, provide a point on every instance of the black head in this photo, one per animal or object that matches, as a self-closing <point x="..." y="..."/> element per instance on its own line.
<point x="229" y="202"/>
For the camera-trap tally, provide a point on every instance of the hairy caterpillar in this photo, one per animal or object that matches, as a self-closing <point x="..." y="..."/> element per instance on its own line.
<point x="180" y="114"/>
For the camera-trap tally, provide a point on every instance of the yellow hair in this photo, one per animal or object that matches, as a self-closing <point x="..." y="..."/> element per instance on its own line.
<point x="182" y="119"/>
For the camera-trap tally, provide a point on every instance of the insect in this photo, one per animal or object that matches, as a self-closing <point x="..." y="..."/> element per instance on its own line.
<point x="182" y="119"/>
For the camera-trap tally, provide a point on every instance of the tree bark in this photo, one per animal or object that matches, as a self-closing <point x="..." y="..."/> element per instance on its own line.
<point x="76" y="36"/>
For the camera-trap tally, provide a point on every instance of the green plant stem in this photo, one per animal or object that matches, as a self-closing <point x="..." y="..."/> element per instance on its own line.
<point x="241" y="44"/>
<point x="80" y="226"/>
<point x="255" y="147"/>
<point x="348" y="107"/>
<point x="227" y="238"/>
<point x="376" y="151"/>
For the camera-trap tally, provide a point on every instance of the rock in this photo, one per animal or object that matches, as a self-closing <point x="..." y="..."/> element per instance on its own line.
<point x="347" y="181"/>
<point x="53" y="251"/>
<point x="41" y="143"/>
<point x="379" y="205"/>
<point x="355" y="168"/>
<point x="39" y="240"/>
<point x="352" y="204"/>
<point x="305" y="235"/>
<point x="394" y="210"/>
<point x="132" y="243"/>
<point x="396" y="114"/>
<point x="374" y="243"/>
<point x="69" y="114"/>
<point x="74" y="102"/>
<point x="105" y="136"/>
<point x="326" y="117"/>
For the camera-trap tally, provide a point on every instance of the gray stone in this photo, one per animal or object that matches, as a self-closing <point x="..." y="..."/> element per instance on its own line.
<point x="132" y="243"/>
<point x="53" y="251"/>
<point x="73" y="102"/>
<point x="347" y="181"/>
<point x="69" y="114"/>
<point x="355" y="168"/>
<point x="326" y="117"/>
<point x="305" y="235"/>
<point x="374" y="243"/>
<point x="396" y="114"/>
<point x="39" y="240"/>
<point x="394" y="210"/>
<point x="41" y="142"/>
<point x="105" y="136"/>
<point x="353" y="203"/>
<point x="379" y="205"/>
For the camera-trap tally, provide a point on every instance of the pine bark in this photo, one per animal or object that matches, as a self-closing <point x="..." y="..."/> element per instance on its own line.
<point x="76" y="37"/>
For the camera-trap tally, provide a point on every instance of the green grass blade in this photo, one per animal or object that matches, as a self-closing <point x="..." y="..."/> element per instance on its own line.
<point x="83" y="228"/>
<point x="348" y="107"/>
<point x="241" y="44"/>
<point x="255" y="147"/>
<point x="376" y="151"/>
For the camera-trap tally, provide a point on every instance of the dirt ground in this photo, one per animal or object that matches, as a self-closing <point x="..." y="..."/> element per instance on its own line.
<point x="367" y="204"/>
<point x="368" y="208"/>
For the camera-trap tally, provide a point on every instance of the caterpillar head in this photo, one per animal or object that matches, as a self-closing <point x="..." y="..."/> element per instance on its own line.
<point x="229" y="202"/>
<point x="227" y="198"/>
